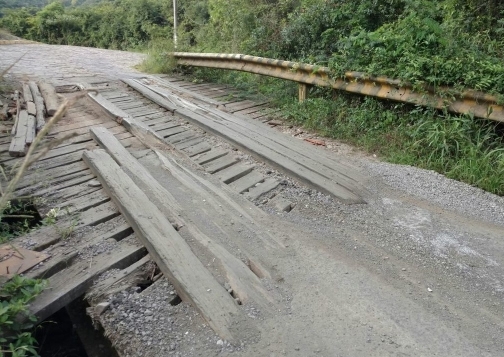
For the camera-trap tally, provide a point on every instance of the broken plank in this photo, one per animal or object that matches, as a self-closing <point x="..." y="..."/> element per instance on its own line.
<point x="50" y="97"/>
<point x="234" y="172"/>
<point x="168" y="249"/>
<point x="71" y="283"/>
<point x="265" y="187"/>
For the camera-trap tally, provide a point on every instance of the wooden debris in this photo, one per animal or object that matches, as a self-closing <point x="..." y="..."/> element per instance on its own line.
<point x="39" y="105"/>
<point x="18" y="143"/>
<point x="68" y="284"/>
<point x="30" y="107"/>
<point x="50" y="97"/>
<point x="27" y="94"/>
<point x="18" y="108"/>
<point x="30" y="130"/>
<point x="315" y="142"/>
<point x="168" y="249"/>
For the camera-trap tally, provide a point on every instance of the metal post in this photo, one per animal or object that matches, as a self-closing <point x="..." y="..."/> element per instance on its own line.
<point x="175" y="23"/>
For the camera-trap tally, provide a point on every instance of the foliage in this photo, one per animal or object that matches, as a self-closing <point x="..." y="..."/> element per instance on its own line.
<point x="120" y="24"/>
<point x="460" y="147"/>
<point x="15" y="318"/>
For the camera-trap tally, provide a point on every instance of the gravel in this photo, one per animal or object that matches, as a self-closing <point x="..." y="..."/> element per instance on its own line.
<point x="447" y="193"/>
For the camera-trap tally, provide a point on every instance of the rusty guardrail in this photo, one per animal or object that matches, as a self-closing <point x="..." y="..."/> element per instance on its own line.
<point x="481" y="105"/>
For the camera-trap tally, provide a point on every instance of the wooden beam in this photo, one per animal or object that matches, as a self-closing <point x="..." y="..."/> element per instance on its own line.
<point x="18" y="143"/>
<point x="193" y="281"/>
<point x="50" y="97"/>
<point x="39" y="104"/>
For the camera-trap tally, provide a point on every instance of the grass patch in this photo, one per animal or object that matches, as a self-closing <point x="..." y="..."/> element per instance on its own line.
<point x="461" y="147"/>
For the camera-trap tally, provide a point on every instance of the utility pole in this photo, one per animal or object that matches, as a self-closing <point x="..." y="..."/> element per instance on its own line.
<point x="175" y="23"/>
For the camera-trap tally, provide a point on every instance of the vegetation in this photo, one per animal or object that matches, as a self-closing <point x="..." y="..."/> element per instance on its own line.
<point x="456" y="43"/>
<point x="15" y="319"/>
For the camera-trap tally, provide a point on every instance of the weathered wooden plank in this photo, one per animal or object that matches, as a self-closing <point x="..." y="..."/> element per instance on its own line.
<point x="18" y="109"/>
<point x="122" y="280"/>
<point x="27" y="94"/>
<point x="30" y="129"/>
<point x="234" y="172"/>
<point x="243" y="184"/>
<point x="164" y="126"/>
<point x="62" y="256"/>
<point x="69" y="284"/>
<point x="185" y="135"/>
<point x="211" y="156"/>
<point x="191" y="142"/>
<point x="50" y="97"/>
<point x="197" y="149"/>
<point x="107" y="141"/>
<point x="37" y="176"/>
<point x="30" y="107"/>
<point x="39" y="104"/>
<point x="221" y="164"/>
<point x="18" y="144"/>
<point x="193" y="281"/>
<point x="48" y="235"/>
<point x="265" y="187"/>
<point x="169" y="132"/>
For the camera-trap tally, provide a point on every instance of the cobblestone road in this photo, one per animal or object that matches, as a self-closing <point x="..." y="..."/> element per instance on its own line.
<point x="67" y="64"/>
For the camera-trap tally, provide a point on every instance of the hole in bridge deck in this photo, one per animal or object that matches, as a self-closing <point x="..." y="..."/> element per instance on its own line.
<point x="19" y="217"/>
<point x="70" y="333"/>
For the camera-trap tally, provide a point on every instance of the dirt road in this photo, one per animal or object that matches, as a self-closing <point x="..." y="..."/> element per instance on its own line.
<point x="416" y="271"/>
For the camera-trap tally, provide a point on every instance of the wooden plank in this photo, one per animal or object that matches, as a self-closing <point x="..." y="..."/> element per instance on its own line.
<point x="193" y="281"/>
<point x="71" y="283"/>
<point x="197" y="149"/>
<point x="39" y="104"/>
<point x="62" y="255"/>
<point x="164" y="126"/>
<point x="55" y="175"/>
<point x="185" y="135"/>
<point x="18" y="109"/>
<point x="48" y="235"/>
<point x="122" y="280"/>
<point x="18" y="144"/>
<point x="265" y="187"/>
<point x="211" y="156"/>
<point x="234" y="172"/>
<point x="221" y="164"/>
<point x="191" y="142"/>
<point x="107" y="140"/>
<point x="243" y="184"/>
<point x="27" y="94"/>
<point x="50" y="97"/>
<point x="169" y="132"/>
<point x="31" y="129"/>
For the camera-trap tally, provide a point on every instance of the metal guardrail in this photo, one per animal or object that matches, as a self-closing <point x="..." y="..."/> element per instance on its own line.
<point x="479" y="104"/>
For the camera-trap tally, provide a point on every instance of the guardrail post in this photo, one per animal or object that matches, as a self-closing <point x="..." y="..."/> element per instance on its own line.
<point x="303" y="92"/>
